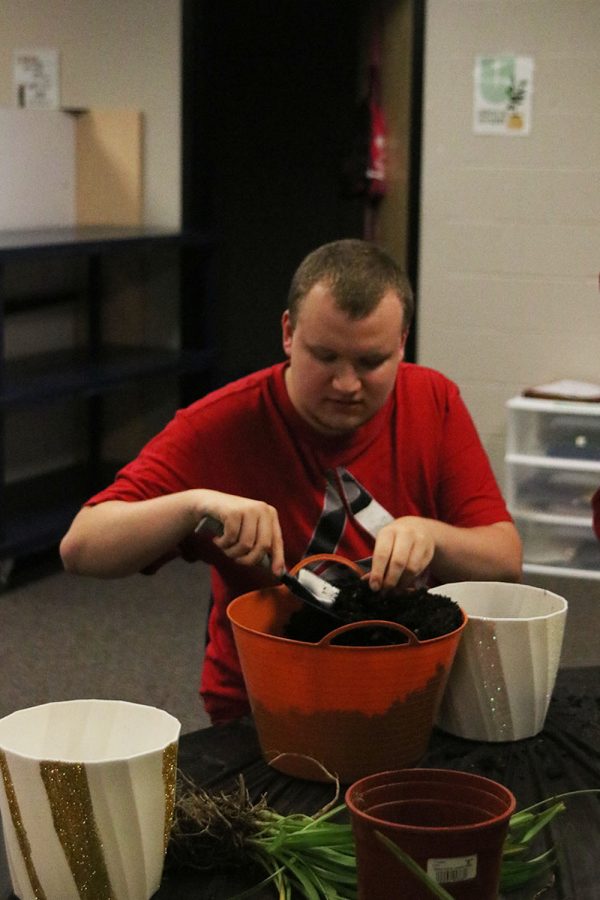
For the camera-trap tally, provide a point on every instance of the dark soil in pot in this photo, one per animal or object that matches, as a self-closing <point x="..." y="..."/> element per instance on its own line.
<point x="426" y="615"/>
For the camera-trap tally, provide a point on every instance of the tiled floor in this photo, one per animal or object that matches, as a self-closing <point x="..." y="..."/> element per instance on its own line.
<point x="139" y="639"/>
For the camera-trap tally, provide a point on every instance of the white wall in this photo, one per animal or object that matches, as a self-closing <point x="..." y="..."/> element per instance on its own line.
<point x="510" y="233"/>
<point x="113" y="53"/>
<point x="510" y="237"/>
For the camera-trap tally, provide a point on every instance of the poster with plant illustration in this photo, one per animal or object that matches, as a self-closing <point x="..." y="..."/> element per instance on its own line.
<point x="502" y="99"/>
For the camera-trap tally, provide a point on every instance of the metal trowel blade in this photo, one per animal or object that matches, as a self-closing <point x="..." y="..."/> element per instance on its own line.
<point x="308" y="586"/>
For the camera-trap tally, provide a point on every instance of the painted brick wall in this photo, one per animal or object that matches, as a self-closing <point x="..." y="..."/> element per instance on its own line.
<point x="510" y="239"/>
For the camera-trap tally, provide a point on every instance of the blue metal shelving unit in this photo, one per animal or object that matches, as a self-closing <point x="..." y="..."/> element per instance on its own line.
<point x="35" y="513"/>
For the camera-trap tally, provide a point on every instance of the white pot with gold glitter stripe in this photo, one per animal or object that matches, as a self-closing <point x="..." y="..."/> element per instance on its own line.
<point x="87" y="790"/>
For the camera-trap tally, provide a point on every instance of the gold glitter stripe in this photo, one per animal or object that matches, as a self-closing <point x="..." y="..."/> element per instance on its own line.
<point x="169" y="773"/>
<point x="15" y="814"/>
<point x="71" y="806"/>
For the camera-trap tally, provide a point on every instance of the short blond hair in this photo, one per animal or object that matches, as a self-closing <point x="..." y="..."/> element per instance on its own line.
<point x="358" y="274"/>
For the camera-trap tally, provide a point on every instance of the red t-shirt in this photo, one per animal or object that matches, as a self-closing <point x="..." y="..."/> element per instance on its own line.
<point x="419" y="455"/>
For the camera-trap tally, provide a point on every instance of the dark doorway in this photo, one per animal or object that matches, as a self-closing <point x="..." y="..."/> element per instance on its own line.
<point x="269" y="100"/>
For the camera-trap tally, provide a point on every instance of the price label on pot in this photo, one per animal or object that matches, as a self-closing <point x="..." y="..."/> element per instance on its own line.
<point x="452" y="869"/>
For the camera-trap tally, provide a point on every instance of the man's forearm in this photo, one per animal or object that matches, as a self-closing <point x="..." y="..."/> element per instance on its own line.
<point x="484" y="553"/>
<point x="118" y="538"/>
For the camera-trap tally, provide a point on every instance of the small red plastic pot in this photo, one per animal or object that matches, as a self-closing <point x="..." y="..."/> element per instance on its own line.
<point x="452" y="824"/>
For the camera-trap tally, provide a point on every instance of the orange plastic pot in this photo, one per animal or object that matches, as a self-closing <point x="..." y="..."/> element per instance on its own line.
<point x="453" y="824"/>
<point x="324" y="708"/>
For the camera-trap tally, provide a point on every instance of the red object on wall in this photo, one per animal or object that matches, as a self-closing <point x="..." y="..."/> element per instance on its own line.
<point x="376" y="172"/>
<point x="364" y="169"/>
<point x="596" y="512"/>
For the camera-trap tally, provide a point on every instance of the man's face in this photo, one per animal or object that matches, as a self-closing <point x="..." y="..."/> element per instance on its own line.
<point x="342" y="370"/>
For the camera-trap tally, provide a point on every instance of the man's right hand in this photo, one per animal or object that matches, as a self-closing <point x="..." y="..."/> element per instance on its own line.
<point x="250" y="529"/>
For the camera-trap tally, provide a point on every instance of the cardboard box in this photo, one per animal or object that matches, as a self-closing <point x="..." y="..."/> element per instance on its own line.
<point x="68" y="167"/>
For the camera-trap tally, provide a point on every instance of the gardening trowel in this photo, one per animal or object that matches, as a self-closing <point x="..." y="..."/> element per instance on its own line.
<point x="307" y="586"/>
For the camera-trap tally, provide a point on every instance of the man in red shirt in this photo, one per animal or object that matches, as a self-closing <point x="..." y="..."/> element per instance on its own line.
<point x="343" y="447"/>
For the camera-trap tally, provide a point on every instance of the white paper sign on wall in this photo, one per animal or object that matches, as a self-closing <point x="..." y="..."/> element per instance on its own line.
<point x="503" y="86"/>
<point x="36" y="78"/>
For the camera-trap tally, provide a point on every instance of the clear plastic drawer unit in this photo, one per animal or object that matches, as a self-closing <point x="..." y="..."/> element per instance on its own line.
<point x="552" y="470"/>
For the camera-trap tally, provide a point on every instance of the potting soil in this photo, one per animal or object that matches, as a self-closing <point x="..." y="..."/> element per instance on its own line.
<point x="426" y="615"/>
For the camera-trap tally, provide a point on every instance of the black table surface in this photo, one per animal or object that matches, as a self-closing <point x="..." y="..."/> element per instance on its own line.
<point x="565" y="756"/>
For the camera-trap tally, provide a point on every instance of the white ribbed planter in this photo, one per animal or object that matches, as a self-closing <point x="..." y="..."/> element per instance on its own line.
<point x="505" y="667"/>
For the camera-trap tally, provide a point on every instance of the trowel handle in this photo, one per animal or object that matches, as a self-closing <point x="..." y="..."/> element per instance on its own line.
<point x="210" y="525"/>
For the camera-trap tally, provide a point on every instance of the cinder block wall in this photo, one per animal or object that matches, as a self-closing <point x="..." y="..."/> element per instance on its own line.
<point x="510" y="229"/>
